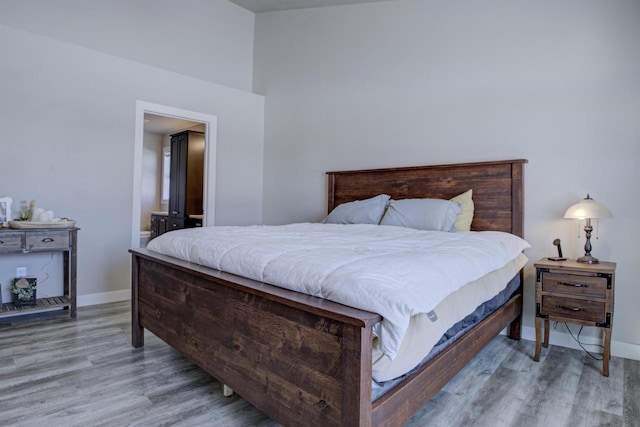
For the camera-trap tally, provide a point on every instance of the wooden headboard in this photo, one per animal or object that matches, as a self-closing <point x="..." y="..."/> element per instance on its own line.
<point x="497" y="189"/>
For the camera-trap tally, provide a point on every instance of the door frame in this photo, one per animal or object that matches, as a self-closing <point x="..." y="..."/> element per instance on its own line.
<point x="210" y="135"/>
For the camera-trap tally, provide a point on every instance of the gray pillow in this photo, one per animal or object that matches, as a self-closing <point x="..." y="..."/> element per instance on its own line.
<point x="368" y="211"/>
<point x="422" y="214"/>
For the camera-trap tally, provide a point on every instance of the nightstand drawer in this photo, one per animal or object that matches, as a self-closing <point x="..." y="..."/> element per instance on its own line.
<point x="47" y="240"/>
<point x="570" y="308"/>
<point x="572" y="284"/>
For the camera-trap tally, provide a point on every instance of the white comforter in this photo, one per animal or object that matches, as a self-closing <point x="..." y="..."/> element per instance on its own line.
<point x="393" y="271"/>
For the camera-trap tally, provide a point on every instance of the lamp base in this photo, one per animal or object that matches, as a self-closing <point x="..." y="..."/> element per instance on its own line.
<point x="588" y="259"/>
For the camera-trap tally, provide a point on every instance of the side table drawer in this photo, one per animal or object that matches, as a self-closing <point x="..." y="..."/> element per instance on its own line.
<point x="11" y="242"/>
<point x="570" y="308"/>
<point x="48" y="240"/>
<point x="573" y="284"/>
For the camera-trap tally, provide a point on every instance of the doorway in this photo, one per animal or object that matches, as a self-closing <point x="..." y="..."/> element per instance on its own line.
<point x="154" y="125"/>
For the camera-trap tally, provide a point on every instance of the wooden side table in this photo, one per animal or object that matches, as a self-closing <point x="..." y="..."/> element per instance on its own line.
<point x="45" y="240"/>
<point x="573" y="292"/>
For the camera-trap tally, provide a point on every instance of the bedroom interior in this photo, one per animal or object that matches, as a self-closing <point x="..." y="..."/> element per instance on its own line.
<point x="161" y="144"/>
<point x="296" y="93"/>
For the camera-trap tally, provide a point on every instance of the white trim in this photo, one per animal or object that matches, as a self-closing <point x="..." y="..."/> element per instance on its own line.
<point x="626" y="350"/>
<point x="211" y="138"/>
<point x="618" y="348"/>
<point x="104" y="298"/>
<point x="166" y="168"/>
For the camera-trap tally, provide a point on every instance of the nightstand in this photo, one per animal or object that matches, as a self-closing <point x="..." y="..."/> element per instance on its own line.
<point x="573" y="292"/>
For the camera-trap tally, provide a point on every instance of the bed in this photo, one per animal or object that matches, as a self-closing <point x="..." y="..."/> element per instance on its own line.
<point x="304" y="360"/>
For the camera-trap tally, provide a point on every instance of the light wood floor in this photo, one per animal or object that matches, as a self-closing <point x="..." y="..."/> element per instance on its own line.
<point x="84" y="372"/>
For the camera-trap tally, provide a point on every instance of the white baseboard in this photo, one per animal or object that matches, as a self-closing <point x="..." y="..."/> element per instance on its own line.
<point x="618" y="348"/>
<point x="103" y="298"/>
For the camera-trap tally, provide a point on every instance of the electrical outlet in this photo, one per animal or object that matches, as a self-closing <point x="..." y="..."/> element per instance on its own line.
<point x="21" y="272"/>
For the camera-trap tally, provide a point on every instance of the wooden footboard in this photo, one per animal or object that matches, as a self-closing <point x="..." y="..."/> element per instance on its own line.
<point x="300" y="359"/>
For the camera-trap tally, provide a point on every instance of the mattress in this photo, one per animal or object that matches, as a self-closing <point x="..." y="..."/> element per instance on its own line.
<point x="427" y="329"/>
<point x="379" y="388"/>
<point x="396" y="272"/>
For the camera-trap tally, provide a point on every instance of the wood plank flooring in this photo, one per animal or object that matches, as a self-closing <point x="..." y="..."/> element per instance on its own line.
<point x="83" y="372"/>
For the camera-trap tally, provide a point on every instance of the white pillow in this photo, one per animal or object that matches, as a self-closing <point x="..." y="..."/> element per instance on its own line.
<point x="368" y="211"/>
<point x="422" y="214"/>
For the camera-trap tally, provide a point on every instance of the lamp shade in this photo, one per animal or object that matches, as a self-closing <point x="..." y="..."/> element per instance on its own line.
<point x="588" y="208"/>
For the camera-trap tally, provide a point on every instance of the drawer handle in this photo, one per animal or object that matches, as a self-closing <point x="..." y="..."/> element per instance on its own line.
<point x="569" y="308"/>
<point x="47" y="240"/>
<point x="574" y="285"/>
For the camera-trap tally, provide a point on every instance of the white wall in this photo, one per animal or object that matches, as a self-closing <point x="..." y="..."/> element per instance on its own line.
<point x="207" y="39"/>
<point x="150" y="193"/>
<point x="415" y="82"/>
<point x="68" y="120"/>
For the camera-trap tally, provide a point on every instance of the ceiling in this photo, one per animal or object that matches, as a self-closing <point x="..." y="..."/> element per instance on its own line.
<point x="259" y="6"/>
<point x="165" y="125"/>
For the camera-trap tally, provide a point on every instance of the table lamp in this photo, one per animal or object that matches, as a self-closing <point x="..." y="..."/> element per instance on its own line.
<point x="588" y="209"/>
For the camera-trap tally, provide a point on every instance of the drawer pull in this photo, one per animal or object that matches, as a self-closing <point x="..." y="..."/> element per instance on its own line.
<point x="569" y="308"/>
<point x="47" y="240"/>
<point x="574" y="285"/>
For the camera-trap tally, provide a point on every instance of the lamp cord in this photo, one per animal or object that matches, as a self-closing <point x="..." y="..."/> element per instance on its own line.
<point x="578" y="225"/>
<point x="46" y="274"/>
<point x="580" y="343"/>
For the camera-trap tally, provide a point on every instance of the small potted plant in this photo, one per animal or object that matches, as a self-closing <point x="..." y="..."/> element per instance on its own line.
<point x="24" y="291"/>
<point x="26" y="210"/>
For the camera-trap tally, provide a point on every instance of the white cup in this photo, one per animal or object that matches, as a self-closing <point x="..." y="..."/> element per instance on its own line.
<point x="36" y="214"/>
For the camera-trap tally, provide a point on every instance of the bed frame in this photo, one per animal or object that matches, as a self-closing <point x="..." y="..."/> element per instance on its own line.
<point x="307" y="361"/>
